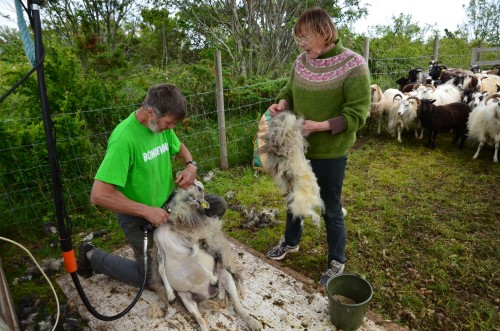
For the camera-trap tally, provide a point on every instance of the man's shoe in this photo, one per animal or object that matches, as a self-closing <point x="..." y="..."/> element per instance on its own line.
<point x="83" y="263"/>
<point x="281" y="250"/>
<point x="336" y="269"/>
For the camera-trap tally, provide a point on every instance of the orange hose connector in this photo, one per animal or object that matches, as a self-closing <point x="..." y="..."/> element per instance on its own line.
<point x="70" y="261"/>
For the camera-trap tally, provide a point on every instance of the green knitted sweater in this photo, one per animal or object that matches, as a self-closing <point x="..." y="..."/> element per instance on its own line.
<point x="335" y="84"/>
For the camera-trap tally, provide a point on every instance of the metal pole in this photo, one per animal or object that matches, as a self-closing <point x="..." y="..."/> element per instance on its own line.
<point x="65" y="237"/>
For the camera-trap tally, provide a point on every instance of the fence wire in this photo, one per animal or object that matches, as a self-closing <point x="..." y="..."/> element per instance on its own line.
<point x="81" y="138"/>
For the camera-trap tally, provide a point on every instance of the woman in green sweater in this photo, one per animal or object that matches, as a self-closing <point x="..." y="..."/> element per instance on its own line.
<point x="330" y="88"/>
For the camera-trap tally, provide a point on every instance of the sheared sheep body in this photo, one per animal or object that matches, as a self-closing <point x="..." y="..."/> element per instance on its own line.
<point x="285" y="147"/>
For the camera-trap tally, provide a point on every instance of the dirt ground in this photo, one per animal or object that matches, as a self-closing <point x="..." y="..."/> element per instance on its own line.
<point x="279" y="299"/>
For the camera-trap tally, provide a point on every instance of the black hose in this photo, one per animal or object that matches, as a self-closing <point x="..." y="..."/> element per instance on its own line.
<point x="89" y="306"/>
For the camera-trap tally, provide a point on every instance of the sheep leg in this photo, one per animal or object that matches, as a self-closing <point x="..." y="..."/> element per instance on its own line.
<point x="227" y="282"/>
<point x="192" y="307"/>
<point x="399" y="134"/>
<point x="163" y="275"/>
<point x="379" y="124"/>
<point x="462" y="140"/>
<point x="481" y="143"/>
<point x="495" y="156"/>
<point x="194" y="254"/>
<point x="429" y="141"/>
<point x="432" y="139"/>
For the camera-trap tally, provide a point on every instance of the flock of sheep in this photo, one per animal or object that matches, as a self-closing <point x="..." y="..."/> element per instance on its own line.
<point x="464" y="101"/>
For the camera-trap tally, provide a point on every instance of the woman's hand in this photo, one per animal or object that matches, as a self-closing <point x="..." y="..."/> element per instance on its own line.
<point x="312" y="126"/>
<point x="277" y="108"/>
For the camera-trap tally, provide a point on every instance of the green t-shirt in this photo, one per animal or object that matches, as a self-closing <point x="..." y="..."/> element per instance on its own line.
<point x="137" y="162"/>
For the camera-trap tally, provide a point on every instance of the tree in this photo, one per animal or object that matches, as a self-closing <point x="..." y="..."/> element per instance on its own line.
<point x="94" y="27"/>
<point x="403" y="26"/>
<point x="482" y="22"/>
<point x="257" y="35"/>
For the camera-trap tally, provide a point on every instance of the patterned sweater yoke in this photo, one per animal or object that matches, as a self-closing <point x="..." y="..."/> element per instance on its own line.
<point x="328" y="73"/>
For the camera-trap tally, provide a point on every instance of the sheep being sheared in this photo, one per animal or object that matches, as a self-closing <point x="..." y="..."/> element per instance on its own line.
<point x="192" y="257"/>
<point x="286" y="162"/>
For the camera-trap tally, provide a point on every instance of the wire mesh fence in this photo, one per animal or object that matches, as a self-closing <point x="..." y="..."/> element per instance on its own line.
<point x="81" y="139"/>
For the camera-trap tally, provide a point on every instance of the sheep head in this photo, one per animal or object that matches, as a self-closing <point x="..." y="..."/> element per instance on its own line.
<point x="408" y="104"/>
<point x="493" y="96"/>
<point x="426" y="105"/>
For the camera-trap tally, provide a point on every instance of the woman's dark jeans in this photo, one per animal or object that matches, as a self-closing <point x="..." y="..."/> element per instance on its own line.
<point x="330" y="175"/>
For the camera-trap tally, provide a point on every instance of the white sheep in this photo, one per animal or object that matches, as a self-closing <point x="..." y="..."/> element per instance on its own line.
<point x="377" y="105"/>
<point x="405" y="116"/>
<point x="382" y="103"/>
<point x="484" y="124"/>
<point x="443" y="94"/>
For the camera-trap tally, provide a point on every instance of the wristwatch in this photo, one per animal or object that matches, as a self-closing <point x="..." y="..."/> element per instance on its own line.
<point x="168" y="209"/>
<point x="192" y="162"/>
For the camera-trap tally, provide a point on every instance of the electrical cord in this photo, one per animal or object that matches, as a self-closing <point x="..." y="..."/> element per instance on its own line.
<point x="43" y="273"/>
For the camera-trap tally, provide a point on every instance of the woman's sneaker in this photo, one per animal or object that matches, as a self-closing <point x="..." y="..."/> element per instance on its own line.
<point x="281" y="250"/>
<point x="336" y="269"/>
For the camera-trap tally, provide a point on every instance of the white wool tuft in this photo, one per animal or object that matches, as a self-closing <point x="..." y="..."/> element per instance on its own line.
<point x="285" y="147"/>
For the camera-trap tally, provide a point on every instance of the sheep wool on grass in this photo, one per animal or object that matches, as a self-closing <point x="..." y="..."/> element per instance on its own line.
<point x="286" y="163"/>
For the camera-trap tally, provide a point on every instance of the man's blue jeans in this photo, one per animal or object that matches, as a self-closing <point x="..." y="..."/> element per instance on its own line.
<point x="330" y="175"/>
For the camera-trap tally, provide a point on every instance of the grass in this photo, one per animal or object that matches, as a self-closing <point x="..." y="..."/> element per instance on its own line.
<point x="422" y="227"/>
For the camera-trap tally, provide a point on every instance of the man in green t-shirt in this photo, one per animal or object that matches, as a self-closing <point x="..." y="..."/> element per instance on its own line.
<point x="135" y="180"/>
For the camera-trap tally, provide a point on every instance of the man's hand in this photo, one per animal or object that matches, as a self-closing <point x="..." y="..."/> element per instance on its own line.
<point x="156" y="216"/>
<point x="185" y="178"/>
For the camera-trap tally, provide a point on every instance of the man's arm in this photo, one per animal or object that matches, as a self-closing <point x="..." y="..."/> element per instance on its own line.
<point x="107" y="196"/>
<point x="186" y="177"/>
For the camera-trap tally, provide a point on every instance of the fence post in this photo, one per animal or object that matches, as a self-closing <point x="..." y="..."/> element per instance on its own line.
<point x="478" y="54"/>
<point x="436" y="48"/>
<point x="221" y="119"/>
<point x="366" y="49"/>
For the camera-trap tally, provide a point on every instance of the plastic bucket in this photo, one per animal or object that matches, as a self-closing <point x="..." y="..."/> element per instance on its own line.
<point x="348" y="316"/>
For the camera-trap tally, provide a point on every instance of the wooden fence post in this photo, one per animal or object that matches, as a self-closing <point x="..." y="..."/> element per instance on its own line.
<point x="366" y="49"/>
<point x="436" y="48"/>
<point x="478" y="54"/>
<point x="221" y="119"/>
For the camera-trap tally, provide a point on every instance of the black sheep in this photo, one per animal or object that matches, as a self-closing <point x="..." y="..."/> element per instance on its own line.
<point x="444" y="118"/>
